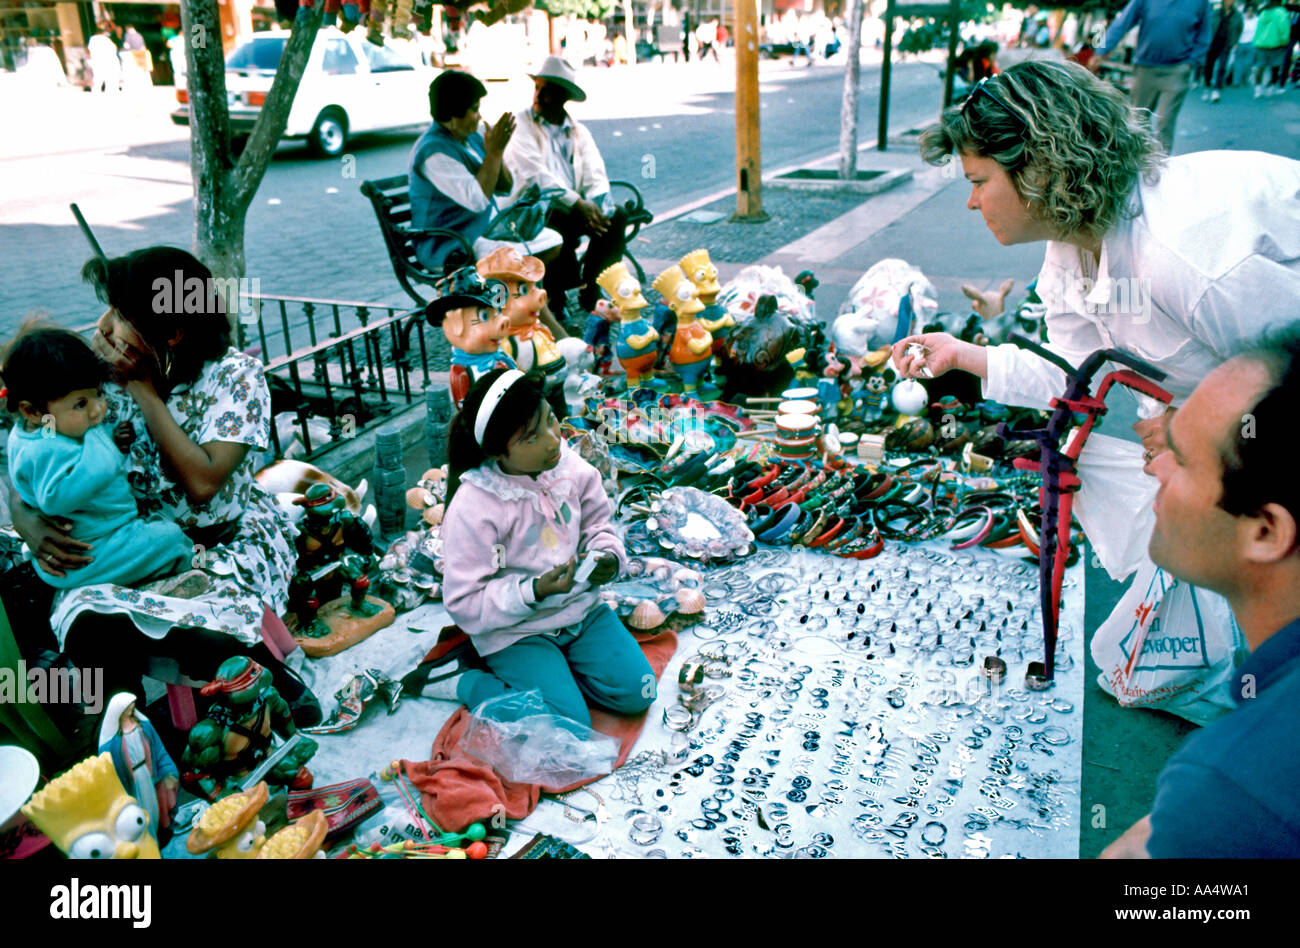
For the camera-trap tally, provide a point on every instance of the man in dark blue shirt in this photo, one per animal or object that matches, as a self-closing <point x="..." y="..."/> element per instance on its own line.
<point x="1173" y="37"/>
<point x="1228" y="519"/>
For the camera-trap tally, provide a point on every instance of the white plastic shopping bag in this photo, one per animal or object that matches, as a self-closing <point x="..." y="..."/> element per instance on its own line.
<point x="1170" y="646"/>
<point x="1114" y="501"/>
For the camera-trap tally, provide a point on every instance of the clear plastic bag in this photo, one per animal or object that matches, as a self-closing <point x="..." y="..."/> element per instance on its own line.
<point x="523" y="742"/>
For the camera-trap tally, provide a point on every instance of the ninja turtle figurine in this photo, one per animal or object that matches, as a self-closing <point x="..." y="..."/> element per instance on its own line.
<point x="353" y="570"/>
<point x="236" y="734"/>
<point x="329" y="529"/>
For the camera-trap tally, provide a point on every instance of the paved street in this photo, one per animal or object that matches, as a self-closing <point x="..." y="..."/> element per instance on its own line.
<point x="668" y="128"/>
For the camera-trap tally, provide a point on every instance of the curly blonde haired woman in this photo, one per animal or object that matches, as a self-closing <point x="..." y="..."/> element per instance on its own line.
<point x="1178" y="260"/>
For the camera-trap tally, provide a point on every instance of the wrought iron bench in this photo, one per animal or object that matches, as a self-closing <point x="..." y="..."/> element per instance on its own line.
<point x="390" y="197"/>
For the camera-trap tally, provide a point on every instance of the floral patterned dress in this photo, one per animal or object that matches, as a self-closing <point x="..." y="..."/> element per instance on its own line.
<point x="229" y="402"/>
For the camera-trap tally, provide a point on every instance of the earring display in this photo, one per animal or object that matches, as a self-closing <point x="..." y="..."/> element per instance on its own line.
<point x="826" y="708"/>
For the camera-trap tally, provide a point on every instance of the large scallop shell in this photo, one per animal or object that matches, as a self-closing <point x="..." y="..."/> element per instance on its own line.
<point x="433" y="515"/>
<point x="689" y="601"/>
<point x="647" y="615"/>
<point x="417" y="498"/>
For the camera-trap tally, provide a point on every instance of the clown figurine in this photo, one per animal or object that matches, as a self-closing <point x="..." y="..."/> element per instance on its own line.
<point x="692" y="351"/>
<point x="529" y="343"/>
<point x="469" y="313"/>
<point x="87" y="815"/>
<point x="635" y="349"/>
<point x="141" y="761"/>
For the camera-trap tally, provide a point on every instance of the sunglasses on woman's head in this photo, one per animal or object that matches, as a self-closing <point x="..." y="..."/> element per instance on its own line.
<point x="982" y="88"/>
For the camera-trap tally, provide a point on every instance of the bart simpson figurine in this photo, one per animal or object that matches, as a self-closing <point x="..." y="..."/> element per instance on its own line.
<point x="88" y="815"/>
<point x="692" y="351"/>
<point x="699" y="269"/>
<point x="635" y="349"/>
<point x="468" y="311"/>
<point x="529" y="343"/>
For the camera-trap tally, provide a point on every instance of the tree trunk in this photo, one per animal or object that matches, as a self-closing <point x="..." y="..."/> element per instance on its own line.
<point x="224" y="187"/>
<point x="629" y="30"/>
<point x="849" y="101"/>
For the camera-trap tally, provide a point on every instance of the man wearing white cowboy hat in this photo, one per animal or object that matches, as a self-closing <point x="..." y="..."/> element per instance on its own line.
<point x="551" y="150"/>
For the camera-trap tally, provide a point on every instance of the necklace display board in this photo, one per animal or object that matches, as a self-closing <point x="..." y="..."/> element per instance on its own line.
<point x="833" y="708"/>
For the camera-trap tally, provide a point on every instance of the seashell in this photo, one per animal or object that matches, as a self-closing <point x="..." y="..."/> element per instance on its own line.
<point x="689" y="601"/>
<point x="389" y="562"/>
<point x="417" y="498"/>
<point x="647" y="615"/>
<point x="434" y="474"/>
<point x="433" y="515"/>
<point x="684" y="576"/>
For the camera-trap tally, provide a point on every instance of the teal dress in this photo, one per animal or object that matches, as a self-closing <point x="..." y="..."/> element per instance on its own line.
<point x="85" y="482"/>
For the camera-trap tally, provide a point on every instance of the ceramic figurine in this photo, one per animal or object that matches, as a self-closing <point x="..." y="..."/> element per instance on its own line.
<point x="699" y="269"/>
<point x="469" y="314"/>
<point x="236" y="734"/>
<point x="762" y="341"/>
<point x="529" y="343"/>
<point x="87" y="815"/>
<point x="231" y="828"/>
<point x="692" y="349"/>
<point x="598" y="336"/>
<point x="872" y="394"/>
<point x="635" y="349"/>
<point x="329" y="529"/>
<point x="141" y="761"/>
<point x="828" y="386"/>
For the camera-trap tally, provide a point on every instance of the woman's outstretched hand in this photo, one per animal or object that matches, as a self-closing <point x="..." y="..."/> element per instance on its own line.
<point x="53" y="549"/>
<point x="940" y="353"/>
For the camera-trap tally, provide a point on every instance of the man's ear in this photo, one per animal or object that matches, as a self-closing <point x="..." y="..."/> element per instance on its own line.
<point x="1273" y="534"/>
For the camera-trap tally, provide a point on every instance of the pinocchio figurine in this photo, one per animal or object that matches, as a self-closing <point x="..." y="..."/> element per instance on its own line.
<point x="468" y="310"/>
<point x="635" y="349"/>
<point x="692" y="351"/>
<point x="528" y="342"/>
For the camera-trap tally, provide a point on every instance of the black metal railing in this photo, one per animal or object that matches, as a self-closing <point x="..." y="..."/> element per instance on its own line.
<point x="350" y="364"/>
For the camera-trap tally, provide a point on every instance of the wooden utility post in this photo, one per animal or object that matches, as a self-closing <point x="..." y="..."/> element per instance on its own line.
<point x="954" y="24"/>
<point x="882" y="130"/>
<point x="749" y="159"/>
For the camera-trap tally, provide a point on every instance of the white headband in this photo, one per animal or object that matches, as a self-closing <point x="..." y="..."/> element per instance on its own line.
<point x="490" y="400"/>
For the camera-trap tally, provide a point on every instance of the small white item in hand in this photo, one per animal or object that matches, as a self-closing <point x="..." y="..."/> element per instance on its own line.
<point x="919" y="352"/>
<point x="587" y="567"/>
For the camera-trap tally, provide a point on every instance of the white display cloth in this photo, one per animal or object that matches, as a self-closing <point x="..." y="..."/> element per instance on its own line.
<point x="821" y="763"/>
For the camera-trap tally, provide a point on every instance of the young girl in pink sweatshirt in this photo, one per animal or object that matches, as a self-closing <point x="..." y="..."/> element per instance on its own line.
<point x="524" y="511"/>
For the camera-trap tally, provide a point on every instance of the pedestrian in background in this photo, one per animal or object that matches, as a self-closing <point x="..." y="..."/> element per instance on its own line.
<point x="1173" y="38"/>
<point x="105" y="68"/>
<point x="1272" y="41"/>
<point x="1223" y="39"/>
<point x="1243" y="60"/>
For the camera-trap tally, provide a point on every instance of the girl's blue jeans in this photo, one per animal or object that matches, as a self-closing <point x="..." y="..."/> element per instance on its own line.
<point x="596" y="660"/>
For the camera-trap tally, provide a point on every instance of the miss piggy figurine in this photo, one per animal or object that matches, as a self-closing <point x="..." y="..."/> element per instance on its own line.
<point x="529" y="342"/>
<point x="141" y="761"/>
<point x="692" y="351"/>
<point x="469" y="313"/>
<point x="635" y="348"/>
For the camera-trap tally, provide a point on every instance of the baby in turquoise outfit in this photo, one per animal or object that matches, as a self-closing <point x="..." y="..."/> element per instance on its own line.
<point x="63" y="462"/>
